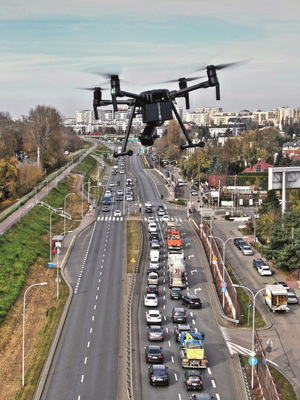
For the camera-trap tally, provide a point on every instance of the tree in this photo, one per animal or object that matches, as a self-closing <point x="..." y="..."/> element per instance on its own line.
<point x="8" y="177"/>
<point x="270" y="203"/>
<point x="174" y="133"/>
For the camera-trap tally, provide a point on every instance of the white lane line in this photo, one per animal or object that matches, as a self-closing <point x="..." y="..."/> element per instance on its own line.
<point x="95" y="307"/>
<point x="172" y="359"/>
<point x="91" y="330"/>
<point x="82" y="378"/>
<point x="213" y="383"/>
<point x="169" y="343"/>
<point x="96" y="297"/>
<point x="176" y="379"/>
<point x="85" y="360"/>
<point x="93" y="317"/>
<point x="88" y="345"/>
<point x="209" y="370"/>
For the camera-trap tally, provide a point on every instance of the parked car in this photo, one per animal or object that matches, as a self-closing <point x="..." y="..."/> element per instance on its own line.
<point x="179" y="314"/>
<point x="241" y="243"/>
<point x="175" y="293"/>
<point x="193" y="380"/>
<point x="155" y="333"/>
<point x="237" y="240"/>
<point x="292" y="298"/>
<point x="257" y="262"/>
<point x="151" y="300"/>
<point x="264" y="270"/>
<point x="158" y="375"/>
<point x="153" y="317"/>
<point x="246" y="250"/>
<point x="154" y="354"/>
<point x="192" y="301"/>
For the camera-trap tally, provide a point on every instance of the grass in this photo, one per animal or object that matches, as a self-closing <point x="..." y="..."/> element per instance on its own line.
<point x="133" y="243"/>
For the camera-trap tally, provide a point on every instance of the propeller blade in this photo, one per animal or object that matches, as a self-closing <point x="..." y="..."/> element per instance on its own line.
<point x="222" y="66"/>
<point x="186" y="79"/>
<point x="93" y="88"/>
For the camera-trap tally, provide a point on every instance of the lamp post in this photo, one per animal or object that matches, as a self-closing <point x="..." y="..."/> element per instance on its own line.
<point x="23" y="342"/>
<point x="19" y="209"/>
<point x="86" y="183"/>
<point x="224" y="245"/>
<point x="253" y="326"/>
<point x="65" y="204"/>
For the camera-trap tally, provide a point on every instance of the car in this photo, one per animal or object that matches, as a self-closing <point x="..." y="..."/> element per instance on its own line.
<point x="154" y="354"/>
<point x="155" y="333"/>
<point x="152" y="227"/>
<point x="175" y="293"/>
<point x="148" y="204"/>
<point x="106" y="209"/>
<point x="154" y="255"/>
<point x="154" y="244"/>
<point x="292" y="298"/>
<point x="192" y="301"/>
<point x="241" y="243"/>
<point x="152" y="268"/>
<point x="153" y="278"/>
<point x="179" y="314"/>
<point x="129" y="197"/>
<point x="237" y="240"/>
<point x="264" y="270"/>
<point x="202" y="396"/>
<point x="165" y="218"/>
<point x="178" y="329"/>
<point x="161" y="211"/>
<point x="117" y="213"/>
<point x="150" y="219"/>
<point x="148" y="210"/>
<point x="194" y="193"/>
<point x="282" y="283"/>
<point x="153" y="235"/>
<point x="150" y="300"/>
<point x="122" y="171"/>
<point x="154" y="264"/>
<point x="106" y="202"/>
<point x="152" y="289"/>
<point x="114" y="172"/>
<point x="153" y="317"/>
<point x="247" y="251"/>
<point x="158" y="374"/>
<point x="193" y="380"/>
<point x="112" y="184"/>
<point x="257" y="262"/>
<point x="119" y="198"/>
<point x="120" y="193"/>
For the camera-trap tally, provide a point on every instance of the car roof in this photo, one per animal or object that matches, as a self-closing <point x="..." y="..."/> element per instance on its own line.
<point x="192" y="296"/>
<point x="180" y="309"/>
<point x="193" y="372"/>
<point x="154" y="347"/>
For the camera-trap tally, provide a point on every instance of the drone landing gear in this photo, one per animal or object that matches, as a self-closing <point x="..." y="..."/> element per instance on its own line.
<point x="187" y="146"/>
<point x="123" y="153"/>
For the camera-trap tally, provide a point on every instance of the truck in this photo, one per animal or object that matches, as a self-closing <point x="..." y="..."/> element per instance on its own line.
<point x="192" y="350"/>
<point x="176" y="261"/>
<point x="176" y="279"/>
<point x="176" y="270"/>
<point x="174" y="242"/>
<point x="168" y="227"/>
<point x="276" y="298"/>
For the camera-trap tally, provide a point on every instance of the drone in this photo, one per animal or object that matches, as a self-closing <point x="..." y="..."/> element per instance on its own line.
<point x="156" y="106"/>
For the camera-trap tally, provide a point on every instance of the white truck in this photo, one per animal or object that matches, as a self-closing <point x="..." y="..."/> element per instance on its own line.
<point x="276" y="298"/>
<point x="176" y="261"/>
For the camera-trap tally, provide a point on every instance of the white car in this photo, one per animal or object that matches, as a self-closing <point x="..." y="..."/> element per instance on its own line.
<point x="154" y="264"/>
<point x="152" y="227"/>
<point x="120" y="193"/>
<point x="150" y="300"/>
<point x="264" y="270"/>
<point x="154" y="255"/>
<point x="117" y="213"/>
<point x="129" y="197"/>
<point x="161" y="212"/>
<point x="151" y="219"/>
<point x="165" y="218"/>
<point x="122" y="171"/>
<point x="153" y="278"/>
<point x="148" y="204"/>
<point x="153" y="317"/>
<point x="247" y="251"/>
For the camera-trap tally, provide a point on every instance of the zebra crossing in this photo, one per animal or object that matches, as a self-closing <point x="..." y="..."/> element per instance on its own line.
<point x="110" y="218"/>
<point x="159" y="219"/>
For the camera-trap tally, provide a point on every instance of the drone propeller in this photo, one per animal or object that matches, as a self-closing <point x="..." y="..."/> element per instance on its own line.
<point x="93" y="88"/>
<point x="186" y="79"/>
<point x="222" y="66"/>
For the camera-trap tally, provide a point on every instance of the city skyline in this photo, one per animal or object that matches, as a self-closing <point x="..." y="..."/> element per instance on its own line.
<point x="48" y="51"/>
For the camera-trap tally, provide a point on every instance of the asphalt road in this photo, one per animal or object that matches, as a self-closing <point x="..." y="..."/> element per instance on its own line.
<point x="219" y="372"/>
<point x="86" y="361"/>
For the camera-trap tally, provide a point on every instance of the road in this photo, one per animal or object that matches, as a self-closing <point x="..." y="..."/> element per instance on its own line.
<point x="86" y="361"/>
<point x="219" y="373"/>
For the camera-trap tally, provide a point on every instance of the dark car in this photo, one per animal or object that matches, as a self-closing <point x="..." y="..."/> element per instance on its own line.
<point x="178" y="329"/>
<point x="119" y="198"/>
<point x="192" y="301"/>
<point x="193" y="380"/>
<point x="282" y="283"/>
<point x="154" y="244"/>
<point x="106" y="208"/>
<point x="154" y="235"/>
<point x="202" y="396"/>
<point x="154" y="354"/>
<point x="237" y="240"/>
<point x="106" y="202"/>
<point x="148" y="210"/>
<point x="155" y="333"/>
<point x="158" y="374"/>
<point x="179" y="314"/>
<point x="152" y="269"/>
<point x="258" y="262"/>
<point x="241" y="243"/>
<point x="175" y="293"/>
<point x="152" y="288"/>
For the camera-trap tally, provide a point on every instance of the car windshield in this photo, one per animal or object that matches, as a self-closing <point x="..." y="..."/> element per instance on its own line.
<point x="155" y="329"/>
<point x="194" y="378"/>
<point x="159" y="372"/>
<point x="154" y="351"/>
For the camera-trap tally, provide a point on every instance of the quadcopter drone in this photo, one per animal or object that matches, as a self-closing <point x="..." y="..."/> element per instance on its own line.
<point x="156" y="106"/>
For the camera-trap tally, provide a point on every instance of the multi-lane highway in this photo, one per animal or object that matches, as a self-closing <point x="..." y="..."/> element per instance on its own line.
<point x="86" y="363"/>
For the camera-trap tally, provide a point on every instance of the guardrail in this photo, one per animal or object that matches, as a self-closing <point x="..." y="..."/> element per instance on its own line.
<point x="129" y="322"/>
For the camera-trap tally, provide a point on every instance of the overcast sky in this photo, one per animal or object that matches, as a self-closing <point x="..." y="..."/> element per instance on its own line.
<point x="48" y="47"/>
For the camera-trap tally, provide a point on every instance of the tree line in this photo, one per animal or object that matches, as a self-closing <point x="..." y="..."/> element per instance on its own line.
<point x="31" y="148"/>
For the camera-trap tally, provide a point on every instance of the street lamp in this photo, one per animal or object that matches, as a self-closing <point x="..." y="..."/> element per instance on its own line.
<point x="65" y="201"/>
<point x="253" y="327"/>
<point x="19" y="209"/>
<point x="224" y="244"/>
<point x="23" y="342"/>
<point x="86" y="183"/>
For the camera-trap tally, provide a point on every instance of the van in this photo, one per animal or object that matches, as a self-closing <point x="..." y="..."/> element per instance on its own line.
<point x="152" y="227"/>
<point x="154" y="255"/>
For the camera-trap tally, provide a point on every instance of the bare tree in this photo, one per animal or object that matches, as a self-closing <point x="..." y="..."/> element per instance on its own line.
<point x="5" y="120"/>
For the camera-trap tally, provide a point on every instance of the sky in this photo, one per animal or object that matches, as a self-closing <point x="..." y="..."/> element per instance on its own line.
<point x="50" y="49"/>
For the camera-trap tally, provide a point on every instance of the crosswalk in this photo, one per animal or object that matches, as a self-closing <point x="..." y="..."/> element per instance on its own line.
<point x="159" y="219"/>
<point x="110" y="218"/>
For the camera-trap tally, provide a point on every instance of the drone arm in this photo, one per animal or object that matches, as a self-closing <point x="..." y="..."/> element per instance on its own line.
<point x="123" y="151"/>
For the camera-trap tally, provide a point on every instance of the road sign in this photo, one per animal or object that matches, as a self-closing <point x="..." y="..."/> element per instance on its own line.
<point x="133" y="260"/>
<point x="224" y="284"/>
<point x="201" y="225"/>
<point x="214" y="260"/>
<point x="252" y="361"/>
<point x="249" y="306"/>
<point x="223" y="290"/>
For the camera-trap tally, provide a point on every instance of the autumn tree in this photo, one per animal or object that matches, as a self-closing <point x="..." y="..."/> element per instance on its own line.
<point x="174" y="133"/>
<point x="8" y="177"/>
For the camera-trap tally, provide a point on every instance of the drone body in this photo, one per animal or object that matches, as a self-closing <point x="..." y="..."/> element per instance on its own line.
<point x="156" y="106"/>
